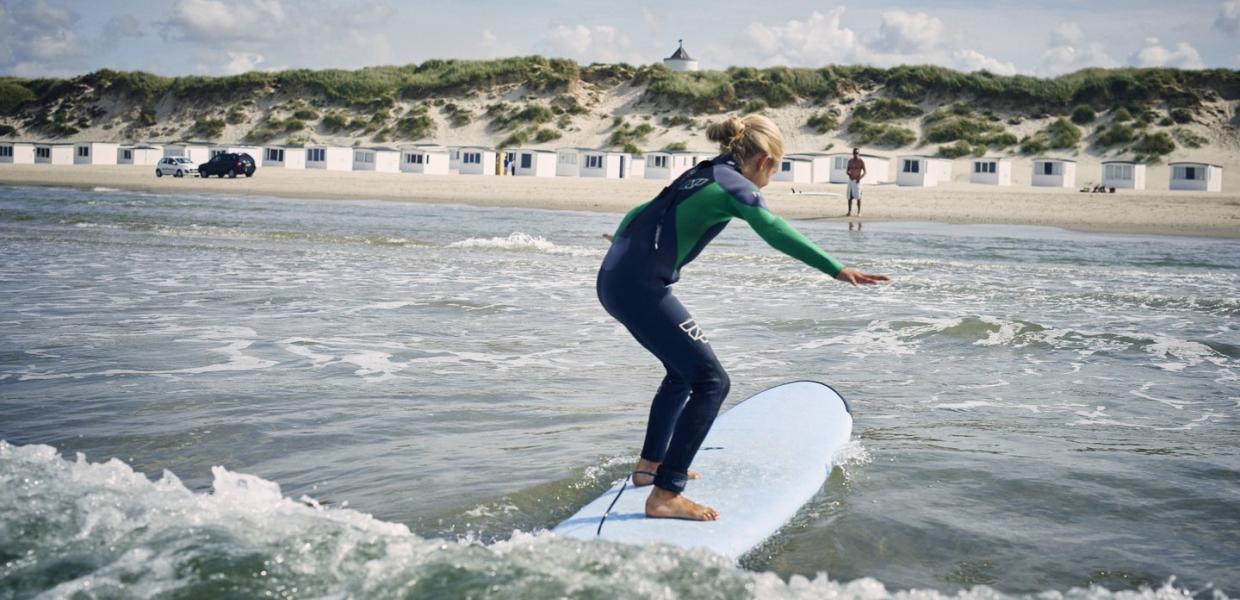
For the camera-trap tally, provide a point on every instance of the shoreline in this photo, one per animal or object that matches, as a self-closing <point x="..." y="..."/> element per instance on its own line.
<point x="1145" y="212"/>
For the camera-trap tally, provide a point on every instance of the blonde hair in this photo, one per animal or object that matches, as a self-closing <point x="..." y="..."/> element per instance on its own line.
<point x="748" y="136"/>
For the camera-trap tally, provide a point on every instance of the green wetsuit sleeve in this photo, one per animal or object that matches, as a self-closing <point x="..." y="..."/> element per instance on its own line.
<point x="629" y="216"/>
<point x="783" y="237"/>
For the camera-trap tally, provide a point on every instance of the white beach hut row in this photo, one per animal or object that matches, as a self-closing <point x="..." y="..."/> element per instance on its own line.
<point x="809" y="167"/>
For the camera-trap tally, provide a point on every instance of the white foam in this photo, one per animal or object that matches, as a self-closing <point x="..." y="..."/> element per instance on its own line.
<point x="523" y="242"/>
<point x="142" y="536"/>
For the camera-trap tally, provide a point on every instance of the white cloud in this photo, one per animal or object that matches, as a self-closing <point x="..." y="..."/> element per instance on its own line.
<point x="1065" y="59"/>
<point x="1154" y="54"/>
<point x="242" y="62"/>
<point x="906" y="33"/>
<point x="1070" y="51"/>
<point x="41" y="15"/>
<point x="369" y="15"/>
<point x="33" y="34"/>
<point x="122" y="26"/>
<point x="215" y="21"/>
<point x="651" y="19"/>
<point x="599" y="43"/>
<point x="267" y="33"/>
<point x="1228" y="20"/>
<point x="818" y="40"/>
<point x="903" y="38"/>
<point x="972" y="60"/>
<point x="1067" y="34"/>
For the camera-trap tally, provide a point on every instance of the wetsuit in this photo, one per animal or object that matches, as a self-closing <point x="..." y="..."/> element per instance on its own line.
<point x="653" y="242"/>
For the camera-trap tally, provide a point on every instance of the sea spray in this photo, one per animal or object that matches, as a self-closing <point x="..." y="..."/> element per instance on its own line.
<point x="72" y="528"/>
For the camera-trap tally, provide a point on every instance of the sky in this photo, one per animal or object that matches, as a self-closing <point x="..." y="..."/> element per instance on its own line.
<point x="59" y="38"/>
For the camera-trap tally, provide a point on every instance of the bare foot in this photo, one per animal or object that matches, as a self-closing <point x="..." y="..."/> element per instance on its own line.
<point x="643" y="480"/>
<point x="662" y="504"/>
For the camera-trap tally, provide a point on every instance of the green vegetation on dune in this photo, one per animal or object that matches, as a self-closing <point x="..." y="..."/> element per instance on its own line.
<point x="961" y="122"/>
<point x="13" y="95"/>
<point x="1061" y="134"/>
<point x="362" y="101"/>
<point x="865" y="133"/>
<point x="887" y="109"/>
<point x="627" y="137"/>
<point x="824" y="122"/>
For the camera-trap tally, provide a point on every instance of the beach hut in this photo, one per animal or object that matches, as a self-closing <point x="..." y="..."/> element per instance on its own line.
<point x="476" y="160"/>
<point x="381" y="160"/>
<point x="923" y="171"/>
<point x="95" y="153"/>
<point x="568" y="162"/>
<point x="198" y="153"/>
<point x="535" y="163"/>
<point x="285" y="157"/>
<point x="53" y="154"/>
<point x="427" y="160"/>
<point x="1054" y="172"/>
<point x="17" y="153"/>
<point x="877" y="169"/>
<point x="795" y="168"/>
<point x="1123" y="174"/>
<point x="454" y="157"/>
<point x="329" y="158"/>
<point x="604" y="164"/>
<point x="990" y="171"/>
<point x="1202" y="177"/>
<point x="637" y="168"/>
<point x="819" y="165"/>
<point x="139" y="155"/>
<point x="669" y="165"/>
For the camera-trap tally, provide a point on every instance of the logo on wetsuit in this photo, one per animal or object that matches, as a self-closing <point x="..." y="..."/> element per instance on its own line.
<point x="694" y="330"/>
<point x="695" y="183"/>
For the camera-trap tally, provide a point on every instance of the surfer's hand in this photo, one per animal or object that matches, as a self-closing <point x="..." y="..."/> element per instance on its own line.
<point x="855" y="277"/>
<point x="607" y="236"/>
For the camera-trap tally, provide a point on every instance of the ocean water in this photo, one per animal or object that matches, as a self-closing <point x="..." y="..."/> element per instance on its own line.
<point x="212" y="396"/>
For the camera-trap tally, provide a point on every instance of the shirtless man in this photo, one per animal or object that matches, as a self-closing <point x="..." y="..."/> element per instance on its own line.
<point x="856" y="170"/>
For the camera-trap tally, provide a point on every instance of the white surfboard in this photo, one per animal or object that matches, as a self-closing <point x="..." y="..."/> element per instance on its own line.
<point x="761" y="461"/>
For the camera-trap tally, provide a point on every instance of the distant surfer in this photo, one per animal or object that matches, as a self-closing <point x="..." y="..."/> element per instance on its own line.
<point x="856" y="170"/>
<point x="653" y="242"/>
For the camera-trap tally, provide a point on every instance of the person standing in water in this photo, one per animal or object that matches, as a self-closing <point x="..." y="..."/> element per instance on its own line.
<point x="856" y="170"/>
<point x="653" y="242"/>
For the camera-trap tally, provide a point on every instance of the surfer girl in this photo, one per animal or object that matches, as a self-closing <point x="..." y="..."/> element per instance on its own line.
<point x="653" y="242"/>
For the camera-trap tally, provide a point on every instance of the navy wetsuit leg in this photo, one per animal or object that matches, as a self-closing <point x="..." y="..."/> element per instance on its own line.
<point x="662" y="325"/>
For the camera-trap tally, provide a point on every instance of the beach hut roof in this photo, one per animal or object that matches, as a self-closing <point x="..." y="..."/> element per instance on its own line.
<point x="1189" y="162"/>
<point x="1048" y="158"/>
<point x="1121" y="162"/>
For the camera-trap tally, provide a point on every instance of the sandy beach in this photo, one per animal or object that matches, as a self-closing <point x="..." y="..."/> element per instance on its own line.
<point x="1137" y="212"/>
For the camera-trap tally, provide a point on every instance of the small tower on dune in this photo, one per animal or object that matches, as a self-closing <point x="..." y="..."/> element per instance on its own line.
<point x="680" y="60"/>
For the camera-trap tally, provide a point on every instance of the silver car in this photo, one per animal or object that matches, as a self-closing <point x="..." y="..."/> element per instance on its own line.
<point x="176" y="166"/>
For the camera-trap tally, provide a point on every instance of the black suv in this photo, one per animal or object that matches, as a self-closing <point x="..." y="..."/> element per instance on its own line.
<point x="228" y="164"/>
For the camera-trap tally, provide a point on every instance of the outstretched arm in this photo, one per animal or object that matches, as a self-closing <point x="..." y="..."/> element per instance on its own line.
<point x="783" y="237"/>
